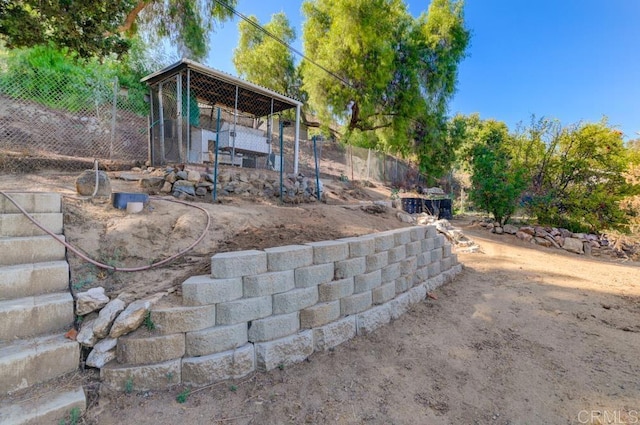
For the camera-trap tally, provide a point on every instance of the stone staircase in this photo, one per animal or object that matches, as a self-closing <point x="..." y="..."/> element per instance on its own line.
<point x="36" y="308"/>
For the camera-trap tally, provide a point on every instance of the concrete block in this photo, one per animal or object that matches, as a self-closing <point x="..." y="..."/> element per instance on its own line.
<point x="439" y="241"/>
<point x="417" y="294"/>
<point x="349" y="268"/>
<point x="268" y="283"/>
<point x="403" y="283"/>
<point x="366" y="282"/>
<point x="239" y="263"/>
<point x="201" y="290"/>
<point x="329" y="251"/>
<point x="428" y="244"/>
<point x="445" y="264"/>
<point x="402" y="236"/>
<point x="283" y="352"/>
<point x="319" y="314"/>
<point x="384" y="293"/>
<point x="274" y="327"/>
<point x="335" y="290"/>
<point x="334" y="334"/>
<point x="436" y="255"/>
<point x="170" y="320"/>
<point x="24" y="280"/>
<point x="205" y="370"/>
<point x="215" y="339"/>
<point x="37" y="315"/>
<point x="408" y="266"/>
<point x="432" y="231"/>
<point x="288" y="257"/>
<point x="385" y="241"/>
<point x="434" y="269"/>
<point x="306" y="277"/>
<point x="243" y="310"/>
<point x="45" y="409"/>
<point x="446" y="250"/>
<point x="413" y="248"/>
<point x="361" y="246"/>
<point x="372" y="319"/>
<point x="16" y="225"/>
<point x="421" y="275"/>
<point x="377" y="261"/>
<point x="30" y="249"/>
<point x="424" y="259"/>
<point x="157" y="376"/>
<point x="418" y="233"/>
<point x="32" y="202"/>
<point x="399" y="305"/>
<point x="355" y="303"/>
<point x="140" y="347"/>
<point x="391" y="273"/>
<point x="438" y="281"/>
<point x="295" y="300"/>
<point x="397" y="254"/>
<point x="454" y="259"/>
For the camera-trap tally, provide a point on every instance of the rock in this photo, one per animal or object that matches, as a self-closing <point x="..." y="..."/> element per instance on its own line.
<point x="193" y="176"/>
<point x="132" y="316"/>
<point x="184" y="186"/>
<point x="528" y="230"/>
<point x="167" y="187"/>
<point x="106" y="317"/>
<point x="103" y="352"/>
<point x="497" y="230"/>
<point x="565" y="233"/>
<point x="573" y="245"/>
<point x="580" y="235"/>
<point x="151" y="182"/>
<point x="510" y="229"/>
<point x="404" y="217"/>
<point x="91" y="300"/>
<point x="595" y="244"/>
<point x="86" y="183"/>
<point x="136" y="169"/>
<point x="555" y="232"/>
<point x="201" y="191"/>
<point x="86" y="336"/>
<point x="541" y="232"/>
<point x="552" y="241"/>
<point x="524" y="236"/>
<point x="542" y="241"/>
<point x="243" y="177"/>
<point x="182" y="175"/>
<point x="586" y="245"/>
<point x="171" y="177"/>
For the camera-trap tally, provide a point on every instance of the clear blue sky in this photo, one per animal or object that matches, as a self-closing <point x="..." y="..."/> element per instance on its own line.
<point x="574" y="60"/>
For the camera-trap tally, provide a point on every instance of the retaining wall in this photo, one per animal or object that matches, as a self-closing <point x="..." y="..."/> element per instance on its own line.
<point x="259" y="310"/>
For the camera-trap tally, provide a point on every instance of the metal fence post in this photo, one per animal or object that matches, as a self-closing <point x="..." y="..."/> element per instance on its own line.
<point x="114" y="112"/>
<point x="215" y="166"/>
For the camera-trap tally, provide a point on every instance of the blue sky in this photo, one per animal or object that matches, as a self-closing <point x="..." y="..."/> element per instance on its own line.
<point x="573" y="60"/>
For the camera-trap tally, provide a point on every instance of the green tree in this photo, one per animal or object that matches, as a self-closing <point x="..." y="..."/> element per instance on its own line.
<point x="497" y="180"/>
<point x="101" y="27"/>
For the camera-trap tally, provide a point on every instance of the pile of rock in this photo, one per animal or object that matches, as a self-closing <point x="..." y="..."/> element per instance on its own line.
<point x="104" y="320"/>
<point x="578" y="243"/>
<point x="183" y="182"/>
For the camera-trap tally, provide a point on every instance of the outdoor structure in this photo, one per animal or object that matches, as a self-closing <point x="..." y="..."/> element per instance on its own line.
<point x="196" y="109"/>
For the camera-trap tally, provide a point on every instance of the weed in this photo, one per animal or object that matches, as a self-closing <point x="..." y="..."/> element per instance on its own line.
<point x="182" y="397"/>
<point x="128" y="386"/>
<point x="72" y="419"/>
<point x="169" y="376"/>
<point x="281" y="366"/>
<point x="233" y="388"/>
<point x="148" y="322"/>
<point x="87" y="279"/>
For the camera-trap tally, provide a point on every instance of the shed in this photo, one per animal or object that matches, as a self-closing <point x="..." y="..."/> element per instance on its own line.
<point x="194" y="108"/>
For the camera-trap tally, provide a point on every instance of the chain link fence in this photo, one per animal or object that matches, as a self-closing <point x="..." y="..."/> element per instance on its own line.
<point x="50" y="121"/>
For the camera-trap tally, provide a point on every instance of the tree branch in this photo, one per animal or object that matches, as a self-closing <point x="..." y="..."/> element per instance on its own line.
<point x="131" y="17"/>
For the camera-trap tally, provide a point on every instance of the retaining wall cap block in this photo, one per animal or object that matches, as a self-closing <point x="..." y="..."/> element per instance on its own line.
<point x="439" y="241"/>
<point x="140" y="348"/>
<point x="274" y="327"/>
<point x="329" y="251"/>
<point x="334" y="334"/>
<point x="288" y="257"/>
<point x="201" y="290"/>
<point x="309" y="276"/>
<point x="403" y="236"/>
<point x="268" y="283"/>
<point x="361" y="246"/>
<point x="335" y="290"/>
<point x="446" y="250"/>
<point x="170" y="320"/>
<point x="319" y="314"/>
<point x="239" y="263"/>
<point x="215" y="339"/>
<point x="243" y="310"/>
<point x="284" y="351"/>
<point x="384" y="293"/>
<point x="391" y="273"/>
<point x="418" y="233"/>
<point x="413" y="248"/>
<point x="350" y="268"/>
<point x="397" y="254"/>
<point x="432" y="231"/>
<point x="295" y="300"/>
<point x="399" y="305"/>
<point x="141" y="377"/>
<point x="205" y="370"/>
<point x="372" y="319"/>
<point x="377" y="261"/>
<point x="385" y="241"/>
<point x="366" y="282"/>
<point x="355" y="303"/>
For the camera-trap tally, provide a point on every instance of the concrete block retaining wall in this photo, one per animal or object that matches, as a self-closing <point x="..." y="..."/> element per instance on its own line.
<point x="259" y="310"/>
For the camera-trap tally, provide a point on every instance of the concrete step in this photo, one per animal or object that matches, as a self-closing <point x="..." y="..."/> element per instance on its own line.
<point x="47" y="408"/>
<point x="12" y="225"/>
<point x="24" y="363"/>
<point x="24" y="280"/>
<point x="36" y="315"/>
<point x="30" y="249"/>
<point x="32" y="202"/>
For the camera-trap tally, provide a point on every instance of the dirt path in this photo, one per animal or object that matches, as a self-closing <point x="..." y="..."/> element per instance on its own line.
<point x="523" y="336"/>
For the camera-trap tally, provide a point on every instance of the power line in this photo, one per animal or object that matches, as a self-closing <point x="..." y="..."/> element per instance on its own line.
<point x="279" y="40"/>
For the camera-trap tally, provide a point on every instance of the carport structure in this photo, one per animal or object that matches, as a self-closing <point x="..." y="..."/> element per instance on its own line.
<point x="195" y="108"/>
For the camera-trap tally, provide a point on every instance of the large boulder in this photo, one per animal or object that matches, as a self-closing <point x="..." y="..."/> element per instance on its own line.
<point x="86" y="183"/>
<point x="573" y="245"/>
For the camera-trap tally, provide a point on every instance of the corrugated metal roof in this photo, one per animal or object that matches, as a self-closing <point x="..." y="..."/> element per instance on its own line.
<point x="219" y="88"/>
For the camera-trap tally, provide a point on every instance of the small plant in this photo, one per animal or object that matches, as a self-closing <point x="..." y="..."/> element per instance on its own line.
<point x="281" y="366"/>
<point x="233" y="388"/>
<point x="87" y="279"/>
<point x="128" y="386"/>
<point x="73" y="418"/>
<point x="169" y="376"/>
<point x="395" y="194"/>
<point x="183" y="395"/>
<point x="148" y="322"/>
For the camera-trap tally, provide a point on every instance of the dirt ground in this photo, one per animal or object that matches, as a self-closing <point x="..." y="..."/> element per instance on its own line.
<point x="525" y="335"/>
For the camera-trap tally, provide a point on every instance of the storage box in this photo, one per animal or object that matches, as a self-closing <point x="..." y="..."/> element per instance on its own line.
<point x="120" y="199"/>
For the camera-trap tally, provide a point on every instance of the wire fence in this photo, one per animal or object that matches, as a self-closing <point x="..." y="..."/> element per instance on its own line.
<point x="48" y="122"/>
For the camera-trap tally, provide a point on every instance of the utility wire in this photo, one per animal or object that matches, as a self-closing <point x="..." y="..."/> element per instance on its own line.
<point x="279" y="40"/>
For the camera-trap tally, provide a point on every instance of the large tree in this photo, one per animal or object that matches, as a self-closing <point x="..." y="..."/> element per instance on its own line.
<point x="101" y="27"/>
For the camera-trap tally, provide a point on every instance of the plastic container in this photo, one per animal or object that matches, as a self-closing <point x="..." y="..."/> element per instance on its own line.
<point x="121" y="199"/>
<point x="134" y="207"/>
